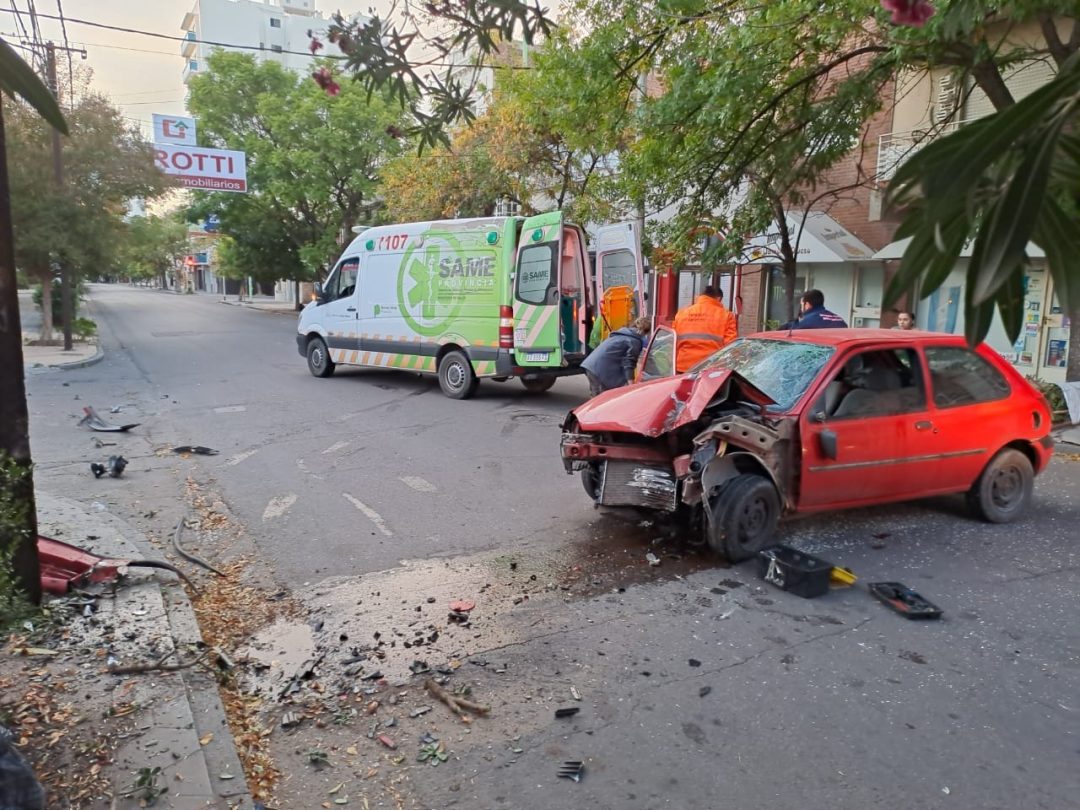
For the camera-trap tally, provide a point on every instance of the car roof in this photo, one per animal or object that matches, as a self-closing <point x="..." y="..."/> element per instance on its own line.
<point x="857" y="336"/>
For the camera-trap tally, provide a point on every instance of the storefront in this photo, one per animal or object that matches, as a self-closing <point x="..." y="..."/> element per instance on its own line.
<point x="1041" y="350"/>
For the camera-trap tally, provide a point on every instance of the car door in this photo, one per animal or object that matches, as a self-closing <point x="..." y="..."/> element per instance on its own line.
<point x="339" y="311"/>
<point x="536" y="292"/>
<point x="972" y="414"/>
<point x="859" y="436"/>
<point x="620" y="275"/>
<point x="658" y="359"/>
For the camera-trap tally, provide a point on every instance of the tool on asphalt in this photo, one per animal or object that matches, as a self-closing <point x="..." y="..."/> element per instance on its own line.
<point x="64" y="567"/>
<point x="795" y="571"/>
<point x="570" y="711"/>
<point x="905" y="601"/>
<point x="842" y="576"/>
<point x="572" y="769"/>
<point x="95" y="422"/>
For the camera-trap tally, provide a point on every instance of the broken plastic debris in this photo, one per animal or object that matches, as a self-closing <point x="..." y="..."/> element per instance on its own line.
<point x="703" y="691"/>
<point x="652" y="559"/>
<point x="572" y="770"/>
<point x="197" y="449"/>
<point x="569" y="711"/>
<point x="462" y="605"/>
<point x="574" y="693"/>
<point x="420" y="711"/>
<point x="388" y="742"/>
<point x="95" y="422"/>
<point x="290" y="720"/>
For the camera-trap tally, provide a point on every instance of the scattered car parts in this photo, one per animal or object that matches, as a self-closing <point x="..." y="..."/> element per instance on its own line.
<point x="95" y="422"/>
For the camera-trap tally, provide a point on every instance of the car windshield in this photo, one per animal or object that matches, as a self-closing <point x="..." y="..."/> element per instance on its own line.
<point x="782" y="369"/>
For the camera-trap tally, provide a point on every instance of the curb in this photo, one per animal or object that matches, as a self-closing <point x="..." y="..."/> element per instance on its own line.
<point x="99" y="355"/>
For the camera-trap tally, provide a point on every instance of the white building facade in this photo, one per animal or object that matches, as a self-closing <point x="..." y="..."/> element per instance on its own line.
<point x="271" y="30"/>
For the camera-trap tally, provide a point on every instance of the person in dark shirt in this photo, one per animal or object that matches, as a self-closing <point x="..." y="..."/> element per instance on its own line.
<point x="612" y="363"/>
<point x="813" y="314"/>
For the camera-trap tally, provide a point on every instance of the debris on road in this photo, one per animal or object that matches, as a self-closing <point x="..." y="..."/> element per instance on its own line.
<point x="842" y="577"/>
<point x="574" y="693"/>
<point x="64" y="566"/>
<point x="290" y="720"/>
<point x="652" y="559"/>
<point x="905" y="601"/>
<point x="569" y="711"/>
<point x="114" y="467"/>
<point x="198" y="450"/>
<point x="459" y="705"/>
<point x="188" y="555"/>
<point x="795" y="571"/>
<point x="95" y="422"/>
<point x="386" y="741"/>
<point x="572" y="769"/>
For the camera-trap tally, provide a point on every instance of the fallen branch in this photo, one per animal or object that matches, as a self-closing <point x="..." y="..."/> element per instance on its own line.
<point x="159" y="665"/>
<point x="458" y="705"/>
<point x="187" y="555"/>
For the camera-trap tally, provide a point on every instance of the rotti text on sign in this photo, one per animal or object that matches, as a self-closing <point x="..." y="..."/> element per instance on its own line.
<point x="206" y="169"/>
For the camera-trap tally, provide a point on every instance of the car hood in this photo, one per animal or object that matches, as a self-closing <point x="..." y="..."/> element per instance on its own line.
<point x="660" y="406"/>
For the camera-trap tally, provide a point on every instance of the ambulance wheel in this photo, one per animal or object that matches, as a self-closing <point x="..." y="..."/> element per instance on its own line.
<point x="318" y="358"/>
<point x="537" y="385"/>
<point x="743" y="517"/>
<point x="456" y="377"/>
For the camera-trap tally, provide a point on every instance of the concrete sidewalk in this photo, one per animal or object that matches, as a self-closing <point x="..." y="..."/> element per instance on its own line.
<point x="264" y="303"/>
<point x="172" y="720"/>
<point x="49" y="358"/>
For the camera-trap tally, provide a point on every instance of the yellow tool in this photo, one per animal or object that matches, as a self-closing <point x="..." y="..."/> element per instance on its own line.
<point x="842" y="576"/>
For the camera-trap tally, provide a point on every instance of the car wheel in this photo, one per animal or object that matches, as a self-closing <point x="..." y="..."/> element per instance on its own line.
<point x="318" y="358"/>
<point x="744" y="517"/>
<point x="456" y="377"/>
<point x="537" y="385"/>
<point x="590" y="479"/>
<point x="1003" y="489"/>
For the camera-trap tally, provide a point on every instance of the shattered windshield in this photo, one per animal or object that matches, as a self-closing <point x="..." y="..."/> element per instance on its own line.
<point x="781" y="369"/>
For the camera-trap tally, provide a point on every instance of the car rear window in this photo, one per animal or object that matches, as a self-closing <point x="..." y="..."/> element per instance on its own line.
<point x="959" y="376"/>
<point x="781" y="369"/>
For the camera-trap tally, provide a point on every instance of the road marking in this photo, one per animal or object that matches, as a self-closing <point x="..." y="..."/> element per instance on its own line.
<point x="232" y="462"/>
<point x="335" y="447"/>
<point x="370" y="514"/>
<point x="230" y="409"/>
<point x="418" y="483"/>
<point x="304" y="469"/>
<point x="278" y="506"/>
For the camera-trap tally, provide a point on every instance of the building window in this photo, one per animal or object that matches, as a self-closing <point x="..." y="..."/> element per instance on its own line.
<point x="275" y="48"/>
<point x="193" y="65"/>
<point x="275" y="22"/>
<point x="505" y="207"/>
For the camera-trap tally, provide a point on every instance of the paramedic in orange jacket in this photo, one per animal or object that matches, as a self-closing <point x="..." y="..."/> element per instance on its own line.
<point x="702" y="328"/>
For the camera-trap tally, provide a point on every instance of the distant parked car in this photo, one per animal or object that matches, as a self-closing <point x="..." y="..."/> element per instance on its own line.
<point x="781" y="423"/>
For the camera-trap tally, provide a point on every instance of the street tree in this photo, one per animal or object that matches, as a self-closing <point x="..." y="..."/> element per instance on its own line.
<point x="152" y="245"/>
<point x="106" y="163"/>
<point x="18" y="513"/>
<point x="312" y="161"/>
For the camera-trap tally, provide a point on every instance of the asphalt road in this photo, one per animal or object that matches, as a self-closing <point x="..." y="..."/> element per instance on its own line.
<point x="701" y="686"/>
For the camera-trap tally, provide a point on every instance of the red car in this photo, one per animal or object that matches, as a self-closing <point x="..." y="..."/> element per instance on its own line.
<point x="783" y="423"/>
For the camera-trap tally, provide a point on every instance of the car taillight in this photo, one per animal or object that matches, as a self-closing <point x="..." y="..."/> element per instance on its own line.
<point x="506" y="327"/>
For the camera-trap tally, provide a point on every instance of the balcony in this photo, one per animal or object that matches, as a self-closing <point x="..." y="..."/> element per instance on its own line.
<point x="894" y="148"/>
<point x="187" y="47"/>
<point x="191" y="67"/>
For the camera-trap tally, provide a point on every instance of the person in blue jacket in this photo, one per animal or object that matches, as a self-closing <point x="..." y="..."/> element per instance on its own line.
<point x="612" y="363"/>
<point x="813" y="314"/>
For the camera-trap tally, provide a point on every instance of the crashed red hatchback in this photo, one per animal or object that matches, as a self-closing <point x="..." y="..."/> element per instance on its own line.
<point x="782" y="423"/>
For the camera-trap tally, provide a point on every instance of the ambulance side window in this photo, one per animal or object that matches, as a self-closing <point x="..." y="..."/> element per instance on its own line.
<point x="342" y="282"/>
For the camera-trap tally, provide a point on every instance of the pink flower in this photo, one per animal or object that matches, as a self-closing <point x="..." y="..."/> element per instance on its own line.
<point x="316" y="45"/>
<point x="909" y="12"/>
<point x="325" y="79"/>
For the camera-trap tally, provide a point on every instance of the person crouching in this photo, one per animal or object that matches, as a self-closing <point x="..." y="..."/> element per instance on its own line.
<point x="612" y="363"/>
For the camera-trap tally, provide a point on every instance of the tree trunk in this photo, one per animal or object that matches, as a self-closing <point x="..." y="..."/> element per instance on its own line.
<point x="45" y="276"/>
<point x="1072" y="370"/>
<point x="20" y="525"/>
<point x="790" y="269"/>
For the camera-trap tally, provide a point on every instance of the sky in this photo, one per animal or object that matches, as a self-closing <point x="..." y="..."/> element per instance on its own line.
<point x="142" y="75"/>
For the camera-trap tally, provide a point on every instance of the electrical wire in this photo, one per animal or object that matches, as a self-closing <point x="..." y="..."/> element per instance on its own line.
<point x="67" y="47"/>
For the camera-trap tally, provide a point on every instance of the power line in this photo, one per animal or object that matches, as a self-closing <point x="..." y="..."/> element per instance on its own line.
<point x="67" y="46"/>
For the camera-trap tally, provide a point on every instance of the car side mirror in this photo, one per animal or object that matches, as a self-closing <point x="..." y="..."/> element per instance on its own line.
<point x="645" y="296"/>
<point x="827" y="441"/>
<point x="320" y="294"/>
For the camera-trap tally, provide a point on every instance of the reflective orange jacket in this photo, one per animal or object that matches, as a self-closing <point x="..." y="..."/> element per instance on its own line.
<point x="702" y="328"/>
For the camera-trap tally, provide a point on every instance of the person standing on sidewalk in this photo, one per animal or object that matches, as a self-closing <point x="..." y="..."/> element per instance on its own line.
<point x="813" y="315"/>
<point x="612" y="363"/>
<point x="702" y="328"/>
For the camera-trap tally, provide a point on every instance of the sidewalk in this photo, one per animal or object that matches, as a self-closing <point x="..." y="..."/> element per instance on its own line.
<point x="43" y="358"/>
<point x="91" y="734"/>
<point x="265" y="303"/>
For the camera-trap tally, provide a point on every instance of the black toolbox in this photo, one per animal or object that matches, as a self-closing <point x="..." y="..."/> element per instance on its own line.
<point x="795" y="571"/>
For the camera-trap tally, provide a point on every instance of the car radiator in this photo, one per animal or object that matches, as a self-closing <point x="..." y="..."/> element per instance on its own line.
<point x="627" y="483"/>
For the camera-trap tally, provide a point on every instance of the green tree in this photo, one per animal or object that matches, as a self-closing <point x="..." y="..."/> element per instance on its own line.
<point x="312" y="159"/>
<point x="106" y="163"/>
<point x="151" y="246"/>
<point x="18" y="514"/>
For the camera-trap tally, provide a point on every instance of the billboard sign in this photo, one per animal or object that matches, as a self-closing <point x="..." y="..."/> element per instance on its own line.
<point x="203" y="169"/>
<point x="174" y="129"/>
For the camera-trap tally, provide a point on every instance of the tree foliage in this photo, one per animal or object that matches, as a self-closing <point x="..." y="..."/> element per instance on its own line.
<point x="312" y="162"/>
<point x="152" y="245"/>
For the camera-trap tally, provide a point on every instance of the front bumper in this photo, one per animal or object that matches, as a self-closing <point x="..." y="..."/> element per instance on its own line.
<point x="579" y="449"/>
<point x="301" y="344"/>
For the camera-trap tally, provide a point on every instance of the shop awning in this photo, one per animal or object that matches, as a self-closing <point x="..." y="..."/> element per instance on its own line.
<point x="820" y="240"/>
<point x="895" y="250"/>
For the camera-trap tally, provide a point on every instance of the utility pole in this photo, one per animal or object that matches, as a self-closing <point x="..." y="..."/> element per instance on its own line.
<point x="66" y="310"/>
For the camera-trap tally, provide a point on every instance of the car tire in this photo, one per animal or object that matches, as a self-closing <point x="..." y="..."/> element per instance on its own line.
<point x="318" y="358"/>
<point x="456" y="377"/>
<point x="744" y="517"/>
<point x="538" y="385"/>
<point x="590" y="479"/>
<point x="1002" y="491"/>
